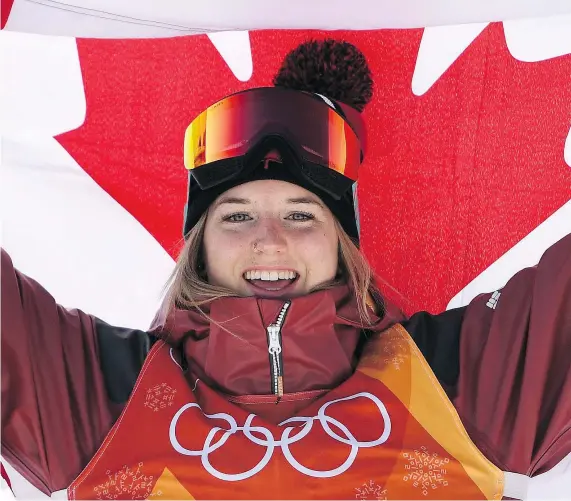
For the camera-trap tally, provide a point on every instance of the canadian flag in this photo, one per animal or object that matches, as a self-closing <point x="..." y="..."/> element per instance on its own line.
<point x="466" y="181"/>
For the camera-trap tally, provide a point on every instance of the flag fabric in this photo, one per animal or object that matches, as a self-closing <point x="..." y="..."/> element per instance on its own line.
<point x="467" y="178"/>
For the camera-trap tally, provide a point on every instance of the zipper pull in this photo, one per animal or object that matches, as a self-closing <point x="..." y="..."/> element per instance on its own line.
<point x="274" y="345"/>
<point x="275" y="351"/>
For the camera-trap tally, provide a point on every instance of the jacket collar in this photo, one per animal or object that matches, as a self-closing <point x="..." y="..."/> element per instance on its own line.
<point x="226" y="345"/>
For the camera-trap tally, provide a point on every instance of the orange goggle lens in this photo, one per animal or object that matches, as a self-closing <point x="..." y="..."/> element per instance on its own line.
<point x="230" y="127"/>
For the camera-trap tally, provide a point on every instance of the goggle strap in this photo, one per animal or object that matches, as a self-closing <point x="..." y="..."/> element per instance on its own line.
<point x="356" y="206"/>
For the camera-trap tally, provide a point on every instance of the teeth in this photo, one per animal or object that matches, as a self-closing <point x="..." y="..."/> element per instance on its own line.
<point x="270" y="276"/>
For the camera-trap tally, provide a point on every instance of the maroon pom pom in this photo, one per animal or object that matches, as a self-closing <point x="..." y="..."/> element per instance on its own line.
<point x="335" y="69"/>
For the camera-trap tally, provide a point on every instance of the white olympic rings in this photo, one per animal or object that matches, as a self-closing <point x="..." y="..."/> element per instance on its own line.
<point x="285" y="441"/>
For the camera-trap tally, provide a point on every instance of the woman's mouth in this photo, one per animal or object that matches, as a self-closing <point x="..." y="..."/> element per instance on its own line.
<point x="270" y="283"/>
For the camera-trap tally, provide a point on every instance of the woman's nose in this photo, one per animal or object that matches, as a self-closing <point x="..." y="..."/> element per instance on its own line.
<point x="269" y="237"/>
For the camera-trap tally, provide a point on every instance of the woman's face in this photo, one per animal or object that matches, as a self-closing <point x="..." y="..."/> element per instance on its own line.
<point x="270" y="239"/>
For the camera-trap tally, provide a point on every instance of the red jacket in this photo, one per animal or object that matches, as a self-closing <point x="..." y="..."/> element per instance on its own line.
<point x="505" y="365"/>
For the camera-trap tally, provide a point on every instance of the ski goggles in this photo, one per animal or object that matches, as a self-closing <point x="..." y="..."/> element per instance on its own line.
<point x="326" y="137"/>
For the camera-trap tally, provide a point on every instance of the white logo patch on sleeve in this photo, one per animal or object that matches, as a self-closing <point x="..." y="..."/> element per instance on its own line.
<point x="493" y="301"/>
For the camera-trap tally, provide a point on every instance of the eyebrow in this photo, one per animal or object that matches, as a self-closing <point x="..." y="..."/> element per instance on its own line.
<point x="304" y="200"/>
<point x="232" y="200"/>
<point x="245" y="201"/>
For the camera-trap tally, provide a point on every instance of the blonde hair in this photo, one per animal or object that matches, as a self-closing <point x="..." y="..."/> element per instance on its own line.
<point x="188" y="287"/>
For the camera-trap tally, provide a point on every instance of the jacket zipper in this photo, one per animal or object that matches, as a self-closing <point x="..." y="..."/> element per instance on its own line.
<point x="275" y="352"/>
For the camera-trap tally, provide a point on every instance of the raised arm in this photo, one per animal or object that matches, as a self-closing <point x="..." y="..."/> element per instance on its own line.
<point x="505" y="362"/>
<point x="55" y="409"/>
<point x="514" y="385"/>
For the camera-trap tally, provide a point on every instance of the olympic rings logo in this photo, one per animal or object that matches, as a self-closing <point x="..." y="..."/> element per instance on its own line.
<point x="288" y="437"/>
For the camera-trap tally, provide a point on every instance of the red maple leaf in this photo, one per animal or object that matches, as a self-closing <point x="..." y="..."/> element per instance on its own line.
<point x="453" y="179"/>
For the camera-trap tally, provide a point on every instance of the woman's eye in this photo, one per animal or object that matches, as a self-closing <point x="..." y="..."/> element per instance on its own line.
<point x="237" y="218"/>
<point x="300" y="216"/>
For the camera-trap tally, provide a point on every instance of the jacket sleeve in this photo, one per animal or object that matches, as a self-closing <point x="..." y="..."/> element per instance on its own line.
<point x="514" y="385"/>
<point x="55" y="409"/>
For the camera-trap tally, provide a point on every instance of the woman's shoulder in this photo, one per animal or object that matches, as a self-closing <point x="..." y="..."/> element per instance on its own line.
<point x="438" y="339"/>
<point x="122" y="353"/>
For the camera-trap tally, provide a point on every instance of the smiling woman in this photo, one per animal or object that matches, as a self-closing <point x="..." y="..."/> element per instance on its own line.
<point x="267" y="227"/>
<point x="275" y="368"/>
<point x="271" y="239"/>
